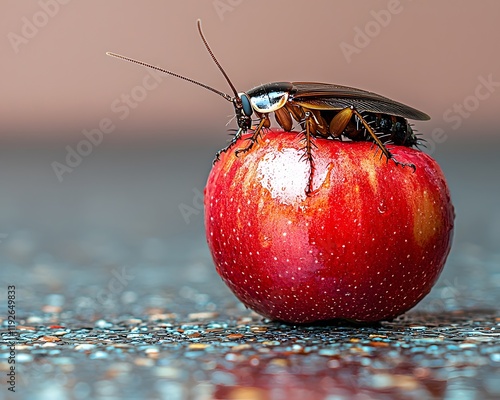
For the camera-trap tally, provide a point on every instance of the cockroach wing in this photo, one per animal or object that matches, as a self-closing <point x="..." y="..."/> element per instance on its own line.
<point x="324" y="96"/>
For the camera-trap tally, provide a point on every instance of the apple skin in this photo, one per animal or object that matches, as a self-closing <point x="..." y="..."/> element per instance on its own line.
<point x="367" y="245"/>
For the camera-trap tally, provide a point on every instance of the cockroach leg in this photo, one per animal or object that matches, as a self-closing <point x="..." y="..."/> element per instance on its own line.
<point x="385" y="151"/>
<point x="339" y="122"/>
<point x="253" y="138"/>
<point x="309" y="125"/>
<point x="235" y="138"/>
<point x="284" y="118"/>
<point x="402" y="164"/>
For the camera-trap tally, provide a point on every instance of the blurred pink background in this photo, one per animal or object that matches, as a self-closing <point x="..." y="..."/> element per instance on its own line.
<point x="56" y="80"/>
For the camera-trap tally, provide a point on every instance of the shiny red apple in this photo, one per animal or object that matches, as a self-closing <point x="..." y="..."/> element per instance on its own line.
<point x="367" y="245"/>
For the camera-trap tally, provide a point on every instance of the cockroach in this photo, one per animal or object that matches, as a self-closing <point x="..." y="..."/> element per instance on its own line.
<point x="322" y="110"/>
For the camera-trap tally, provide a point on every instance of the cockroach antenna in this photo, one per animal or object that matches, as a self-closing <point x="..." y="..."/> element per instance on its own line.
<point x="148" y="65"/>
<point x="145" y="64"/>
<point x="198" y="23"/>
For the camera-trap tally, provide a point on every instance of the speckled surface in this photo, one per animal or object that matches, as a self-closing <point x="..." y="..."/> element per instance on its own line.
<point x="109" y="306"/>
<point x="197" y="342"/>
